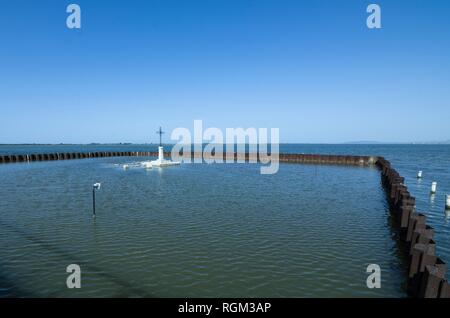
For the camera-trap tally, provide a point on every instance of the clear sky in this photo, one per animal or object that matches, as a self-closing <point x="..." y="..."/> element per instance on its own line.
<point x="311" y="68"/>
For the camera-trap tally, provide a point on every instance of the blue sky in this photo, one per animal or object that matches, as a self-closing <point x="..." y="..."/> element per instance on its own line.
<point x="311" y="68"/>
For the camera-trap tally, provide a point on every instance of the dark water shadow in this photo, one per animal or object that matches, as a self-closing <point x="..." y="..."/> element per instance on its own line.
<point x="127" y="289"/>
<point x="8" y="289"/>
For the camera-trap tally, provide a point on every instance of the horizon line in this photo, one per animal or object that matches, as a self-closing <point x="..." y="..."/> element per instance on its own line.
<point x="281" y="143"/>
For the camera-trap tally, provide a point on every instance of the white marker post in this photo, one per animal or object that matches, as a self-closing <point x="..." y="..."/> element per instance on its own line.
<point x="433" y="187"/>
<point x="419" y="174"/>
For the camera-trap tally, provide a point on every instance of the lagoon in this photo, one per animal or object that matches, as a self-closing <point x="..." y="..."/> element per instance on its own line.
<point x="196" y="230"/>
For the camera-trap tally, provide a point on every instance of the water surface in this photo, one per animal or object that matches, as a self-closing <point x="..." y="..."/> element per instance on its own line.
<point x="220" y="230"/>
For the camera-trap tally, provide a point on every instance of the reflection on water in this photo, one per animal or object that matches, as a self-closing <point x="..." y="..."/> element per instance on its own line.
<point x="218" y="230"/>
<point x="432" y="200"/>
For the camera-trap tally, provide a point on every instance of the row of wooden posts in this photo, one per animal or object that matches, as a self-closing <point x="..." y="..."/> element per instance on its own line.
<point x="426" y="271"/>
<point x="283" y="157"/>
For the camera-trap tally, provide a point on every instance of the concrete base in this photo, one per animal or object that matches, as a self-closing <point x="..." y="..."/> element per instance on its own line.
<point x="163" y="163"/>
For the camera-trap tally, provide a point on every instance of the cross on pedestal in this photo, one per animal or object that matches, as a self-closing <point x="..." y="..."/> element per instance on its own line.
<point x="160" y="133"/>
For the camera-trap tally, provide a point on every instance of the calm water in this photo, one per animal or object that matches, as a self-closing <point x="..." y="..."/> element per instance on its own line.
<point x="220" y="230"/>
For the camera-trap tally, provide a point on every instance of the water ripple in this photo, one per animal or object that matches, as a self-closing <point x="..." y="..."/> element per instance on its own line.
<point x="194" y="231"/>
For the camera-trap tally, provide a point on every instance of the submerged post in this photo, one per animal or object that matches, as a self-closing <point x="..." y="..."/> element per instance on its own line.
<point x="96" y="186"/>
<point x="93" y="202"/>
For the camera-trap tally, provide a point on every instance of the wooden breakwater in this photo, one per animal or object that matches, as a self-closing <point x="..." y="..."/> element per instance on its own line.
<point x="283" y="157"/>
<point x="426" y="271"/>
<point x="70" y="155"/>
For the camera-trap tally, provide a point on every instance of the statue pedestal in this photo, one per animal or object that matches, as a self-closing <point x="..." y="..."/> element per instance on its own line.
<point x="161" y="162"/>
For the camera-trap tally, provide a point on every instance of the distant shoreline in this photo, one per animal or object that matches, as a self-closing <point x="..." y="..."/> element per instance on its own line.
<point x="356" y="143"/>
